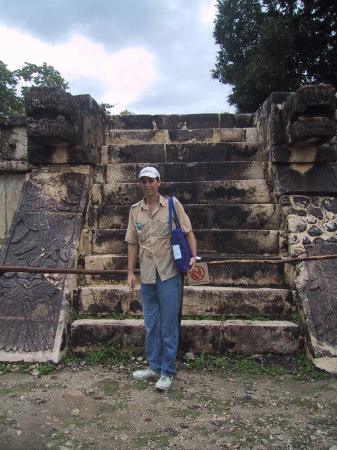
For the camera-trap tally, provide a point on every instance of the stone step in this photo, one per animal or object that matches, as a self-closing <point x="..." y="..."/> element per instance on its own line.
<point x="201" y="192"/>
<point x="217" y="337"/>
<point x="183" y="172"/>
<point x="160" y="153"/>
<point x="179" y="121"/>
<point x="219" y="242"/>
<point x="205" y="135"/>
<point x="254" y="216"/>
<point x="199" y="301"/>
<point x="244" y="274"/>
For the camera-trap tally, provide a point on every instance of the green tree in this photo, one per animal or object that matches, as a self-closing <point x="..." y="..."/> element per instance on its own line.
<point x="268" y="46"/>
<point x="12" y="102"/>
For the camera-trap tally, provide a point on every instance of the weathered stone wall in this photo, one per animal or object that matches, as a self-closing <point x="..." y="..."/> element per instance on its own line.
<point x="299" y="146"/>
<point x="65" y="137"/>
<point x="13" y="167"/>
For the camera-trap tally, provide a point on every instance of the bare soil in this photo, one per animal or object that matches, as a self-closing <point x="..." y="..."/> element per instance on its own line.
<point x="82" y="407"/>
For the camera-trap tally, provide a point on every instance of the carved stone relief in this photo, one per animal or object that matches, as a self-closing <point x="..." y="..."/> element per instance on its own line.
<point x="45" y="233"/>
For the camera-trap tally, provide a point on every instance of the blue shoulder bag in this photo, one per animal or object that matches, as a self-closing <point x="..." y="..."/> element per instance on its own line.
<point x="181" y="251"/>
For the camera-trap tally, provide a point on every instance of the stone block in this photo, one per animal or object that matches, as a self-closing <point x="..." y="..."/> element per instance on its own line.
<point x="254" y="337"/>
<point x="192" y="136"/>
<point x="10" y="191"/>
<point x="89" y="334"/>
<point x="250" y="135"/>
<point x="239" y="336"/>
<point x="237" y="151"/>
<point x="206" y="301"/>
<point x="63" y="129"/>
<point x="45" y="232"/>
<point x="254" y="242"/>
<point x="184" y="172"/>
<point x="135" y="122"/>
<point x="53" y="101"/>
<point x="227" y="120"/>
<point x="108" y="301"/>
<point x="54" y="131"/>
<point x="312" y="130"/>
<point x="196" y="336"/>
<point x="311" y="98"/>
<point x="138" y="153"/>
<point x="213" y="241"/>
<point x="3" y="207"/>
<point x="121" y="137"/>
<point x="305" y="178"/>
<point x="306" y="154"/>
<point x="201" y="192"/>
<point x="202" y="121"/>
<point x="256" y="216"/>
<point x="232" y="135"/>
<point x="244" y="120"/>
<point x="239" y="275"/>
<point x="317" y="288"/>
<point x="210" y="301"/>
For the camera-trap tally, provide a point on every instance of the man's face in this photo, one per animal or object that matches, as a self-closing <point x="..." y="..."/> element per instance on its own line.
<point x="150" y="186"/>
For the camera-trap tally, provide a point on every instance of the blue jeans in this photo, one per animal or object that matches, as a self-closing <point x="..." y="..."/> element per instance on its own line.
<point x="161" y="303"/>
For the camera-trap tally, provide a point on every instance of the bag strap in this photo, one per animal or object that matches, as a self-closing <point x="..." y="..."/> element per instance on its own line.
<point x="172" y="209"/>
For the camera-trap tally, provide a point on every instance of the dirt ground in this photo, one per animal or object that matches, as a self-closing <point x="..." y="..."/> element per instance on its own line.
<point x="99" y="407"/>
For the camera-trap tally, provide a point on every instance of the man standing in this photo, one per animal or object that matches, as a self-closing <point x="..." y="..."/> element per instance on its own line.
<point x="149" y="233"/>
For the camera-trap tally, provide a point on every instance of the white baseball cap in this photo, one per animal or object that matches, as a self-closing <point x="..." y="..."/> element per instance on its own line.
<point x="150" y="172"/>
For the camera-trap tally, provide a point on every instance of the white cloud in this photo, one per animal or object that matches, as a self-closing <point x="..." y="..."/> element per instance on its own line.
<point x="121" y="77"/>
<point x="208" y="13"/>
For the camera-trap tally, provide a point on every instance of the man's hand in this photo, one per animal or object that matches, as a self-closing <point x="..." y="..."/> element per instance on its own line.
<point x="193" y="262"/>
<point x="132" y="258"/>
<point x="192" y="243"/>
<point x="131" y="282"/>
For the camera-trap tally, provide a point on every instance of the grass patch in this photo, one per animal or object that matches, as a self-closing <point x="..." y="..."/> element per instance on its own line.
<point x="209" y="362"/>
<point x="5" y="368"/>
<point x="109" y="355"/>
<point x="234" y="363"/>
<point x="24" y="367"/>
<point x="69" y="360"/>
<point x="197" y="318"/>
<point x="307" y="370"/>
<point x="45" y="369"/>
<point x="76" y="316"/>
<point x="298" y="367"/>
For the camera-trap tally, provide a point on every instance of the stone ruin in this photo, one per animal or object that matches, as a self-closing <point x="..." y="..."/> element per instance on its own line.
<point x="47" y="161"/>
<point x="298" y="134"/>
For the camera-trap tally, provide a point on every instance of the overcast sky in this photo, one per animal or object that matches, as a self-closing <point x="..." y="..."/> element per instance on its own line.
<point x="147" y="56"/>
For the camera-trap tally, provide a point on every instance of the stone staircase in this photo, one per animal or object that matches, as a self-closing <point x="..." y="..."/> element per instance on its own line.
<point x="212" y="164"/>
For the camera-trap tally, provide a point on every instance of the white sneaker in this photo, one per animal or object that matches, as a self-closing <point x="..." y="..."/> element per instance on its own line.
<point x="145" y="374"/>
<point x="164" y="383"/>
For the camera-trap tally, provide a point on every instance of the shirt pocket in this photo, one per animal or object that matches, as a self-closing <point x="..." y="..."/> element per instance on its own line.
<point x="142" y="228"/>
<point x="162" y="228"/>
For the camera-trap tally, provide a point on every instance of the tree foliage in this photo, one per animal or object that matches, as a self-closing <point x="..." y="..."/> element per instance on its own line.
<point x="269" y="45"/>
<point x="14" y="84"/>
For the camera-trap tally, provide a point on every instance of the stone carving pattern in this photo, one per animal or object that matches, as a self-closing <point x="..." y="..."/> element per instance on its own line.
<point x="43" y="234"/>
<point x="312" y="224"/>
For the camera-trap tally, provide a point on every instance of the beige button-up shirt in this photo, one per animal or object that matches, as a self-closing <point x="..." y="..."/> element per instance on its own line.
<point x="152" y="233"/>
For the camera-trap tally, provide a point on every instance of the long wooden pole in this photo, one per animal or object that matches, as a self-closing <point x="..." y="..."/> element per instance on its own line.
<point x="274" y="260"/>
<point x="63" y="270"/>
<point x="74" y="271"/>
